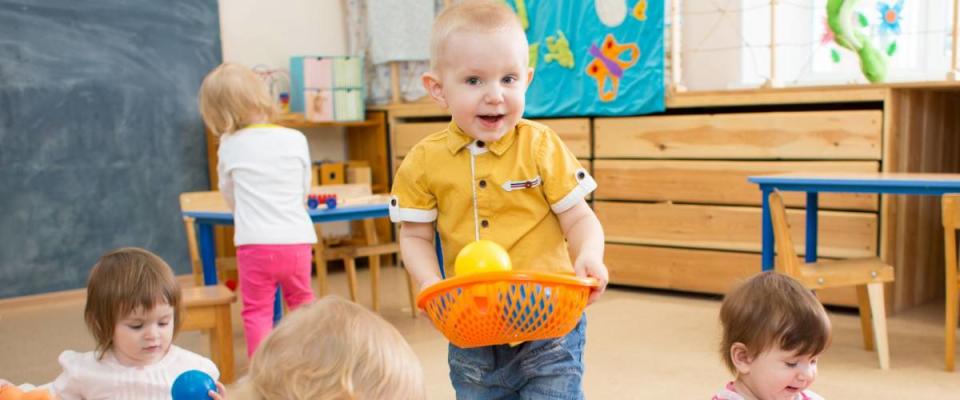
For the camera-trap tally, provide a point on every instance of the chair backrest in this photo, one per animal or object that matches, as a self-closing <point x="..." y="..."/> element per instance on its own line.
<point x="787" y="262"/>
<point x="198" y="201"/>
<point x="951" y="211"/>
<point x="202" y="201"/>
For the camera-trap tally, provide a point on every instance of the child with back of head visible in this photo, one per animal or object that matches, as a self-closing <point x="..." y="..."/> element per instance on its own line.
<point x="133" y="312"/>
<point x="493" y="175"/>
<point x="264" y="176"/>
<point x="333" y="349"/>
<point x="774" y="330"/>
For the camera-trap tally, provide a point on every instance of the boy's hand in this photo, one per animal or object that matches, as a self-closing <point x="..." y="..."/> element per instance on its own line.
<point x="592" y="267"/>
<point x="220" y="394"/>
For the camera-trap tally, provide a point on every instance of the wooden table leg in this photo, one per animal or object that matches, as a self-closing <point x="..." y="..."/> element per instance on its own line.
<point x="221" y="344"/>
<point x="370" y="231"/>
<point x="320" y="262"/>
<point x="350" y="265"/>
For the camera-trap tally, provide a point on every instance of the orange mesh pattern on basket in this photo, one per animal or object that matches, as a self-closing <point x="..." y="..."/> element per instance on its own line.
<point x="504" y="307"/>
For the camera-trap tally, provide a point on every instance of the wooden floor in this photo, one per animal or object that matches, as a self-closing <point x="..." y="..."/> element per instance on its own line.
<point x="640" y="345"/>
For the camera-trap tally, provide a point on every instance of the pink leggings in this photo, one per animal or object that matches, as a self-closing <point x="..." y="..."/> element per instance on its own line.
<point x="262" y="268"/>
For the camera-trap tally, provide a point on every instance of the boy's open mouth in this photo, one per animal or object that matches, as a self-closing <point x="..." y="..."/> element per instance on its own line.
<point x="491" y="118"/>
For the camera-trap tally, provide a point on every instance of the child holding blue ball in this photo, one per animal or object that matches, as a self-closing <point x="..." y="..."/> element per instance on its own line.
<point x="133" y="312"/>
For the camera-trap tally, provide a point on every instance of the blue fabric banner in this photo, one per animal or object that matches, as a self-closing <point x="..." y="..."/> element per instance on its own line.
<point x="594" y="57"/>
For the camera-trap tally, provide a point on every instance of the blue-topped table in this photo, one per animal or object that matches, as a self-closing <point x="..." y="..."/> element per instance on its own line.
<point x="217" y="214"/>
<point x="816" y="182"/>
<point x="205" y="220"/>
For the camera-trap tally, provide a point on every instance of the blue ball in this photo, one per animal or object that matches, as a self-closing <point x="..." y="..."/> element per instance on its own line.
<point x="193" y="385"/>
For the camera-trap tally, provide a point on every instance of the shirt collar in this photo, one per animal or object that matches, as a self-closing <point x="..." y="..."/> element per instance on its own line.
<point x="458" y="139"/>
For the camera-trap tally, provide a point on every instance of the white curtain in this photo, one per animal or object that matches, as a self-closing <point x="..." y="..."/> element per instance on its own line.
<point x="378" y="75"/>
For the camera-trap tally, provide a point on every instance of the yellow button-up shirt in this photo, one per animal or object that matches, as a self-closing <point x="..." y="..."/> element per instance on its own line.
<point x="508" y="191"/>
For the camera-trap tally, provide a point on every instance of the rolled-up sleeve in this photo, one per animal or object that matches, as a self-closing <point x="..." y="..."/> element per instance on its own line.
<point x="565" y="181"/>
<point x="411" y="198"/>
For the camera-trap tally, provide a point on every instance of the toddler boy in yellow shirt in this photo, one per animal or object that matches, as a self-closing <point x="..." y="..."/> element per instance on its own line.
<point x="493" y="175"/>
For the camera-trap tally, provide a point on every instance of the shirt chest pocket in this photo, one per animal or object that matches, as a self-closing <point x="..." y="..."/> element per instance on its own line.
<point x="522" y="184"/>
<point x="521" y="197"/>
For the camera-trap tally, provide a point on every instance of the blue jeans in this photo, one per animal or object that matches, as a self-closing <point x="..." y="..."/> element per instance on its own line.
<point x="544" y="369"/>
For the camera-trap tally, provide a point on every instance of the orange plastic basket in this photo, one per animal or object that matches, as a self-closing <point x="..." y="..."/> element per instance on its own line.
<point x="504" y="307"/>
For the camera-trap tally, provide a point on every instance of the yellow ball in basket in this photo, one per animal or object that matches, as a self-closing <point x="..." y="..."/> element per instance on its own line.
<point x="481" y="256"/>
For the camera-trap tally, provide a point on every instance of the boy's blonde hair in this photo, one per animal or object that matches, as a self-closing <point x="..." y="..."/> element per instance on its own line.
<point x="334" y="349"/>
<point x="232" y="97"/>
<point x="773" y="310"/>
<point x="123" y="281"/>
<point x="469" y="15"/>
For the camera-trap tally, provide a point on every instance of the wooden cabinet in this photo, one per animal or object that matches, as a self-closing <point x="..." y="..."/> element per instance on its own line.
<point x="679" y="182"/>
<point x="678" y="211"/>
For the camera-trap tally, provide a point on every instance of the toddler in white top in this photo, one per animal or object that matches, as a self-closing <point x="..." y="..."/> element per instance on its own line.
<point x="132" y="311"/>
<point x="774" y="330"/>
<point x="264" y="175"/>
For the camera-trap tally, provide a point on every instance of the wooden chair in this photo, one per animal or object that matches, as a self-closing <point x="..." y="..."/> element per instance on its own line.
<point x="951" y="221"/>
<point x="201" y="201"/>
<point x="867" y="274"/>
<point x="207" y="308"/>
<point x="373" y="249"/>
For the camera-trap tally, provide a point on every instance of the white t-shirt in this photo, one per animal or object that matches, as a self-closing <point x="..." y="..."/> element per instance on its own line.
<point x="86" y="378"/>
<point x="729" y="392"/>
<point x="265" y="177"/>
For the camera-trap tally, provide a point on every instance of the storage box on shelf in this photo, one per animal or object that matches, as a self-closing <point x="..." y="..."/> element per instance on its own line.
<point x="327" y="88"/>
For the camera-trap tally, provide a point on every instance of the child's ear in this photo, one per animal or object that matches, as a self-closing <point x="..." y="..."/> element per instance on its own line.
<point x="431" y="82"/>
<point x="741" y="357"/>
<point x="529" y="76"/>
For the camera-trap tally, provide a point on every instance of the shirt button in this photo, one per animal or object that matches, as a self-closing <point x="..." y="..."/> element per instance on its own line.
<point x="483" y="183"/>
<point x="581" y="175"/>
<point x="480" y="143"/>
<point x="484" y="223"/>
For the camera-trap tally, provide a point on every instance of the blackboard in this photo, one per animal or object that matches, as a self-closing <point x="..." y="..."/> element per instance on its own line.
<point x="99" y="132"/>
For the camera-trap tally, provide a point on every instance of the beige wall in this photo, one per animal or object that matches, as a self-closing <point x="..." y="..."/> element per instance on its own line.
<point x="255" y="32"/>
<point x="259" y="32"/>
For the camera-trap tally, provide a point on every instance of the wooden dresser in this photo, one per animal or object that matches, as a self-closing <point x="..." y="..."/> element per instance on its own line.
<point x="679" y="213"/>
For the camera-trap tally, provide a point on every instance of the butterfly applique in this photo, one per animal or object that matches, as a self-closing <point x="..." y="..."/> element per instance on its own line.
<point x="609" y="65"/>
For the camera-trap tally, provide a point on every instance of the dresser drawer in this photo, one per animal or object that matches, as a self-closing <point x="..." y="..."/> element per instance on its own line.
<point x="843" y="135"/>
<point x="408" y="134"/>
<point x="842" y="234"/>
<point x="575" y="133"/>
<point x="718" y="182"/>
<point x="693" y="270"/>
